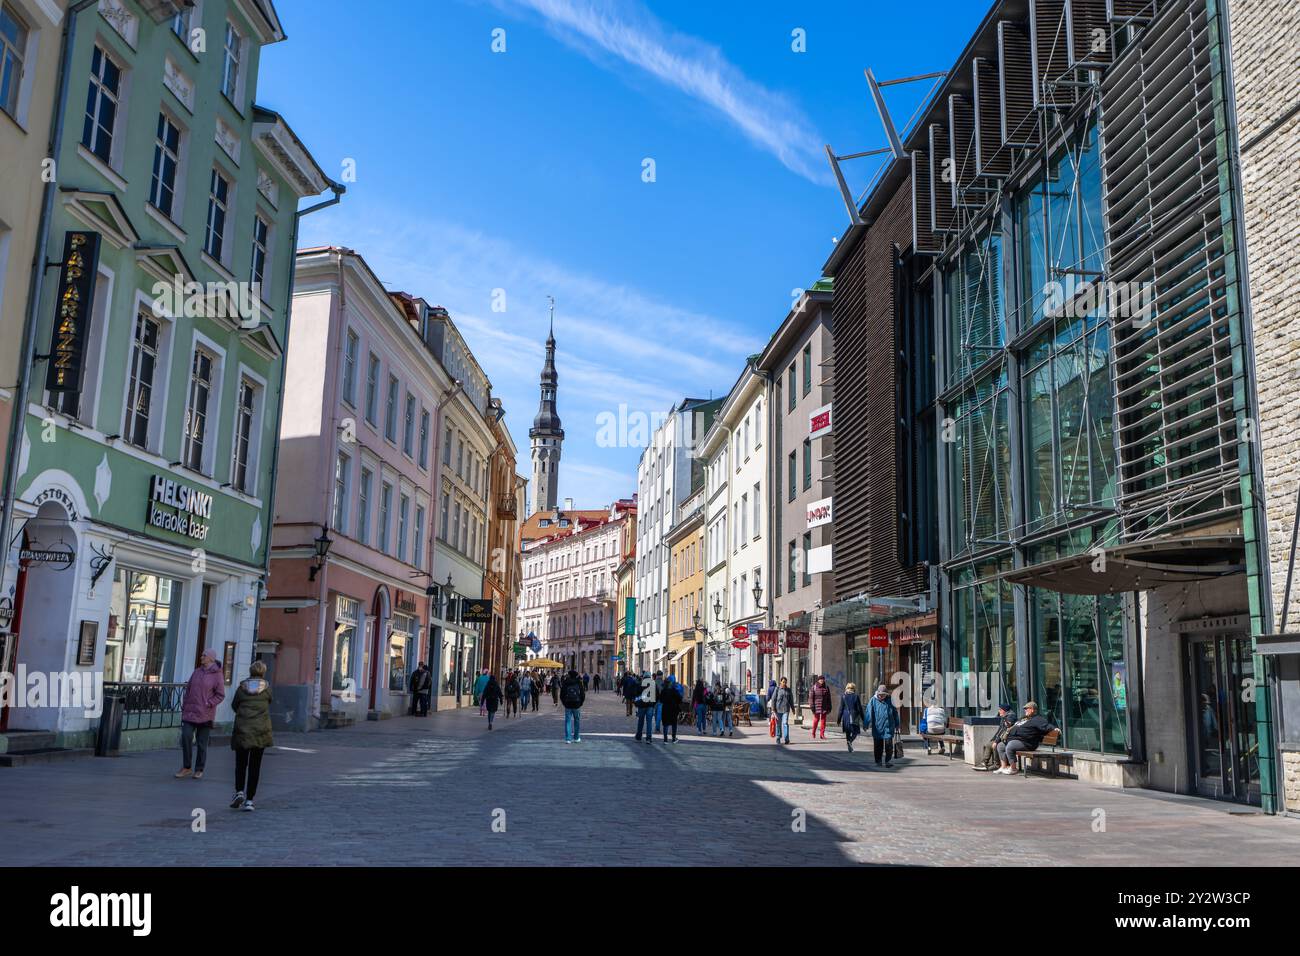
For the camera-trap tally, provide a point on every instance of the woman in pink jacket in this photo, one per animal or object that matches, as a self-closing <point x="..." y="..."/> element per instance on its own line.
<point x="206" y="689"/>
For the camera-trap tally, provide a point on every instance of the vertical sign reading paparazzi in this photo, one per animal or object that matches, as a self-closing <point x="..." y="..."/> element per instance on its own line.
<point x="76" y="300"/>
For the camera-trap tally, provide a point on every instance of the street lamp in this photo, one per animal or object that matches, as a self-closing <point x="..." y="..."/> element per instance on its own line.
<point x="322" y="545"/>
<point x="717" y="607"/>
<point x="758" y="593"/>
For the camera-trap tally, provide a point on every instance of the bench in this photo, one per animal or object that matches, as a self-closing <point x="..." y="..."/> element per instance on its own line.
<point x="954" y="740"/>
<point x="1048" y="762"/>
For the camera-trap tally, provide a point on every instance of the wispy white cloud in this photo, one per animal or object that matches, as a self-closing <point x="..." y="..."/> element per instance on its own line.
<point x="617" y="346"/>
<point x="628" y="31"/>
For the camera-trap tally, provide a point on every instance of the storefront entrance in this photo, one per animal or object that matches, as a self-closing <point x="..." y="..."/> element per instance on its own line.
<point x="1225" y="745"/>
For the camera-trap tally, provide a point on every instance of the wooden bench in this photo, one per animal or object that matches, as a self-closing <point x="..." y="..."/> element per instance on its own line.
<point x="1048" y="762"/>
<point x="948" y="737"/>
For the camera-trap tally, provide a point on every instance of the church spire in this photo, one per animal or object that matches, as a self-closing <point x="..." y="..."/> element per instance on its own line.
<point x="547" y="434"/>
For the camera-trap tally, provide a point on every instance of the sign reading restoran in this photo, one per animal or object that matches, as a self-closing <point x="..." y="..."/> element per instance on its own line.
<point x="179" y="508"/>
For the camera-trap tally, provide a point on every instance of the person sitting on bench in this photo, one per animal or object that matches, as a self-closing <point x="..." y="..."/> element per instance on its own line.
<point x="936" y="722"/>
<point x="990" y="758"/>
<point x="1025" y="734"/>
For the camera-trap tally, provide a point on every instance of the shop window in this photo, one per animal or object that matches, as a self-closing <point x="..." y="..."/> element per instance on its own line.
<point x="399" y="651"/>
<point x="347" y="614"/>
<point x="144" y="622"/>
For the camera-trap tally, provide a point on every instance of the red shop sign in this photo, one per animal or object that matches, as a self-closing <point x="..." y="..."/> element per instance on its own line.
<point x="878" y="637"/>
<point x="740" y="645"/>
<point x="740" y="632"/>
<point x="796" y="639"/>
<point x="767" y="642"/>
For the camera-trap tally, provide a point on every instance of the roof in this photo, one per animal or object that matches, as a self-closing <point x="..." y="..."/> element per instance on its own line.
<point x="532" y="531"/>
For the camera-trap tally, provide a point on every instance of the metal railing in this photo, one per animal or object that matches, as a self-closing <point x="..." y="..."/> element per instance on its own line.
<point x="148" y="706"/>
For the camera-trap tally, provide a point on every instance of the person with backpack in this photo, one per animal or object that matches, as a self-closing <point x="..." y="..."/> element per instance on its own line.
<point x="1025" y="734"/>
<point x="491" y="698"/>
<point x="251" y="734"/>
<point x="728" y="700"/>
<point x="670" y="704"/>
<point x="882" y="716"/>
<point x="647" y="704"/>
<point x="479" y="683"/>
<point x="631" y="690"/>
<point x="852" y="716"/>
<point x="659" y="689"/>
<point x="783" y="703"/>
<point x="936" y="722"/>
<point x="819" y="701"/>
<point x="717" y="706"/>
<point x="512" y="694"/>
<point x="699" y="698"/>
<point x="572" y="695"/>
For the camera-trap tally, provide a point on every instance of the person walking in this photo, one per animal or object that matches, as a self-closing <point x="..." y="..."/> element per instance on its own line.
<point x="492" y="695"/>
<point x="421" y="682"/>
<point x="586" y="680"/>
<point x="819" y="701"/>
<point x="555" y="690"/>
<point x="882" y="717"/>
<point x="631" y="690"/>
<point x="852" y="716"/>
<point x="783" y="706"/>
<point x="525" y="689"/>
<point x="205" y="690"/>
<point x="479" y="683"/>
<point x="670" y="704"/>
<point x="699" y="696"/>
<point x="728" y="708"/>
<point x="251" y="734"/>
<point x="595" y="683"/>
<point x="717" y="705"/>
<point x="573" y="695"/>
<point x="512" y="694"/>
<point x="647" y="706"/>
<point x="537" y="691"/>
<point x="658" y="678"/>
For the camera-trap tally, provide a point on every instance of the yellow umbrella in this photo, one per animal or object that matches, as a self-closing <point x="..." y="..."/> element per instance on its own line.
<point x="543" y="662"/>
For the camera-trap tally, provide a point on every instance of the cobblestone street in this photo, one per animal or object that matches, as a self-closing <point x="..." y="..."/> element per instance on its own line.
<point x="347" y="797"/>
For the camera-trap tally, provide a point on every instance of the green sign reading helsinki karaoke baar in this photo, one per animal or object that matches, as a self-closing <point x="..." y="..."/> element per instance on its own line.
<point x="179" y="508"/>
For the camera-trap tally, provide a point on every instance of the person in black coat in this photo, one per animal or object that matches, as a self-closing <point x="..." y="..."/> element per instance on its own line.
<point x="512" y="694"/>
<point x="670" y="699"/>
<point x="1025" y="734"/>
<point x="492" y="698"/>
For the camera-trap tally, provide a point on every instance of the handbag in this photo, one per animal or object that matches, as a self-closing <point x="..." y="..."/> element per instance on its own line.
<point x="771" y="726"/>
<point x="898" y="748"/>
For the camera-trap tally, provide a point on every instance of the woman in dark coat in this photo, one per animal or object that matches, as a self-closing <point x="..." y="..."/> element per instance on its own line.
<point x="819" y="699"/>
<point x="491" y="698"/>
<point x="852" y="716"/>
<point x="699" y="703"/>
<point x="512" y="695"/>
<point x="671" y="703"/>
<point x="251" y="735"/>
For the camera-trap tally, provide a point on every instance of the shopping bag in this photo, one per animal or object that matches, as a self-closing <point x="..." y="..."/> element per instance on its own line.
<point x="771" y="726"/>
<point x="898" y="748"/>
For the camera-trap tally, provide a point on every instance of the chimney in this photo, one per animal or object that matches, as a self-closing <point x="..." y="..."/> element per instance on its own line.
<point x="568" y="504"/>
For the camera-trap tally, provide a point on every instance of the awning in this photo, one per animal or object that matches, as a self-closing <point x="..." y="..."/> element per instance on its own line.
<point x="858" y="614"/>
<point x="1277" y="645"/>
<point x="1138" y="567"/>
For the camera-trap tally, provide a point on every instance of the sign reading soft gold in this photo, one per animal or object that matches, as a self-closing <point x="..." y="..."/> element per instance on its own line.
<point x="66" y="365"/>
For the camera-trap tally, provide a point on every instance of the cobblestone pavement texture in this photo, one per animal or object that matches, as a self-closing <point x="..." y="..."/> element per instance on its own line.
<point x="413" y="791"/>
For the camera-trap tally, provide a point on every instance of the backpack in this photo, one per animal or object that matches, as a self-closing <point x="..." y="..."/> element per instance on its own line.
<point x="571" y="694"/>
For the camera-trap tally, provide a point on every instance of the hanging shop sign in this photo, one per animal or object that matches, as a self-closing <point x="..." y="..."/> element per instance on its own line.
<point x="6" y="617"/>
<point x="629" y="616"/>
<point x="767" y="642"/>
<point x="740" y="632"/>
<point x="178" y="508"/>
<point x="819" y="513"/>
<point x="878" y="637"/>
<point x="76" y="299"/>
<point x="476" y="611"/>
<point x="520" y="653"/>
<point x="796" y="639"/>
<point x="406" y="602"/>
<point x="740" y="645"/>
<point x="819" y="422"/>
<point x="58" y="556"/>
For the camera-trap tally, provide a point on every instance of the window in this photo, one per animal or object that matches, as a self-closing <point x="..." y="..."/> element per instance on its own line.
<point x="342" y="477"/>
<point x="230" y="63"/>
<point x="408" y="426"/>
<point x="196" y="413"/>
<point x="13" y="47"/>
<point x="181" y="24"/>
<point x="807" y="368"/>
<point x="245" y="449"/>
<point x="385" y="510"/>
<point x="417" y="558"/>
<point x="363" y="505"/>
<point x="446" y="446"/>
<point x="758" y="425"/>
<point x="261" y="234"/>
<point x="794" y="396"/>
<point x="101" y="105"/>
<point x="758" y="502"/>
<point x="403" y="515"/>
<point x="460" y="457"/>
<point x="372" y="388"/>
<point x="807" y="547"/>
<point x="139" y="394"/>
<point x="793" y="561"/>
<point x="350" y="368"/>
<point x="390" y="410"/>
<point x="214" y="240"/>
<point x="424" y="438"/>
<point x="744" y="518"/>
<point x="446" y="510"/>
<point x="807" y="463"/>
<point x="166" y="159"/>
<point x="347" y="614"/>
<point x="792" y="473"/>
<point x="454" y="540"/>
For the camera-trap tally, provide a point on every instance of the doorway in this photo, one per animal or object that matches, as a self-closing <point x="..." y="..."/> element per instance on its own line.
<point x="1224" y="737"/>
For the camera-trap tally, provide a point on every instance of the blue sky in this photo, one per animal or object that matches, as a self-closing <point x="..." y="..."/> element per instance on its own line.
<point x="523" y="171"/>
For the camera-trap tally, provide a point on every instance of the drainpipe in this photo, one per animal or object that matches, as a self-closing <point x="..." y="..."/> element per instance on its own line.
<point x="18" y="416"/>
<point x="338" y="190"/>
<point x="456" y="388"/>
